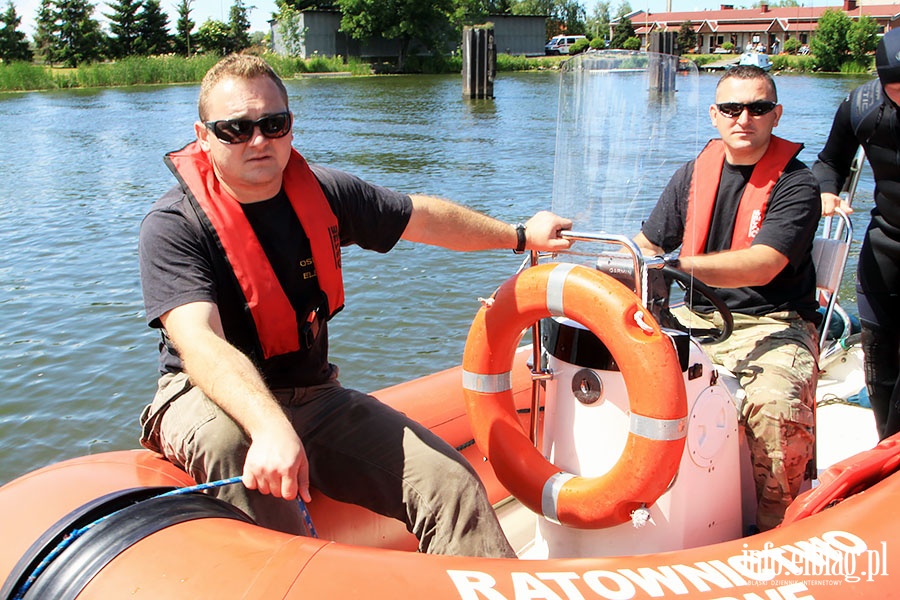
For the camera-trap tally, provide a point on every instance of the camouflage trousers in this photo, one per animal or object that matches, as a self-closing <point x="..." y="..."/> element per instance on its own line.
<point x="775" y="359"/>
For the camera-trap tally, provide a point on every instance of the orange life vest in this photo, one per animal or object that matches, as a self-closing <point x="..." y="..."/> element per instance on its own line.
<point x="269" y="305"/>
<point x="752" y="208"/>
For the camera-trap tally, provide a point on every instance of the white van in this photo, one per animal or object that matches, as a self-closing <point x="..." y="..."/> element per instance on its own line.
<point x="559" y="44"/>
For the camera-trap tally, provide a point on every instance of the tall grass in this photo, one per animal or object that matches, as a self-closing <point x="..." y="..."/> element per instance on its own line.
<point x="289" y="66"/>
<point x="510" y="62"/>
<point x="22" y="76"/>
<point x="154" y="70"/>
<point x="797" y="63"/>
<point x="137" y="71"/>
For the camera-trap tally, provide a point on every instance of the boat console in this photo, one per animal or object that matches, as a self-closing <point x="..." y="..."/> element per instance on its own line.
<point x="588" y="419"/>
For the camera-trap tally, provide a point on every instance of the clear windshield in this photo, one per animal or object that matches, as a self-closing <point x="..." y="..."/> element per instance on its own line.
<point x="627" y="121"/>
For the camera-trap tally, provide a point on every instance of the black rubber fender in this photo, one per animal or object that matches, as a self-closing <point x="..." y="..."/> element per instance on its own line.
<point x="127" y="517"/>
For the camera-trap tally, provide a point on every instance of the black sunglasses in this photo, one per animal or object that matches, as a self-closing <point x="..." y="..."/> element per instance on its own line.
<point x="238" y="131"/>
<point x="759" y="108"/>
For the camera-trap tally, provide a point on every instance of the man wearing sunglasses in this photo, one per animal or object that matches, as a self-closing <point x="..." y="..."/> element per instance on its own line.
<point x="744" y="214"/>
<point x="241" y="270"/>
<point x="870" y="118"/>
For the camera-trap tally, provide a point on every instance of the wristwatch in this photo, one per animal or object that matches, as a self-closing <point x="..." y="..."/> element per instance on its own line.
<point x="520" y="239"/>
<point x="672" y="261"/>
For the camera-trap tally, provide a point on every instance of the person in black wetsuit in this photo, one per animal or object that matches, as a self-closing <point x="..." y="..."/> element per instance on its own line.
<point x="869" y="117"/>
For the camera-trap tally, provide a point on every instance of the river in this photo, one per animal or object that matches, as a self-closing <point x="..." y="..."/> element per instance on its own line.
<point x="80" y="169"/>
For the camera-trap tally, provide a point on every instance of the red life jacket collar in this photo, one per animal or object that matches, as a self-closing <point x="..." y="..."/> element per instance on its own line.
<point x="269" y="305"/>
<point x="705" y="185"/>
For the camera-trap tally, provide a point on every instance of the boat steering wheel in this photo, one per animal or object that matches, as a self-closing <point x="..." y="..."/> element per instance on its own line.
<point x="686" y="282"/>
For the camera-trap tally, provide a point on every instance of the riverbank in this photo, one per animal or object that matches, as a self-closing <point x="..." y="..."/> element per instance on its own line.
<point x="167" y="70"/>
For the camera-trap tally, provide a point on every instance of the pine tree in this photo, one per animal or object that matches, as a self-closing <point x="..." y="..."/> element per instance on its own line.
<point x="153" y="26"/>
<point x="183" y="28"/>
<point x="623" y="31"/>
<point x="13" y="45"/>
<point x="687" y="38"/>
<point x="123" y="24"/>
<point x="238" y="27"/>
<point x="79" y="37"/>
<point x="46" y="31"/>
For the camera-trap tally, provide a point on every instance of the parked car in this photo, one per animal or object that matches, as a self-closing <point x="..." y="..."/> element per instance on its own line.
<point x="560" y="44"/>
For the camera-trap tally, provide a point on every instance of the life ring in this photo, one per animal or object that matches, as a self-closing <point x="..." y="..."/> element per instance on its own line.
<point x="653" y="379"/>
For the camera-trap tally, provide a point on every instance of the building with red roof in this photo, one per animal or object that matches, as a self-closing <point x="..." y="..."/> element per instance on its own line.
<point x="760" y="27"/>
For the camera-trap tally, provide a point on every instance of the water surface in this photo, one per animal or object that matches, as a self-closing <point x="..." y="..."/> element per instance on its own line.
<point x="80" y="169"/>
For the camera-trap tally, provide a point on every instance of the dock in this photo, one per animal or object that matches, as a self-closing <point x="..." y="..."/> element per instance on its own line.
<point x="722" y="64"/>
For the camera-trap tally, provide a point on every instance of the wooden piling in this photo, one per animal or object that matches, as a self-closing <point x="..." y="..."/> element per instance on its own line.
<point x="664" y="62"/>
<point x="479" y="58"/>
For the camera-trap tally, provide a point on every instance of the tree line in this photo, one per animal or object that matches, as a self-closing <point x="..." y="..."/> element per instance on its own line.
<point x="67" y="32"/>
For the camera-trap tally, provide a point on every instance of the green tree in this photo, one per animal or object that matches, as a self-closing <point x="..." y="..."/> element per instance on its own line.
<point x="68" y="33"/>
<point x="862" y="38"/>
<point x="567" y="16"/>
<point x="238" y="26"/>
<point x="213" y="36"/>
<point x="624" y="30"/>
<point x="830" y="42"/>
<point x="791" y="45"/>
<point x="474" y="12"/>
<point x="292" y="35"/>
<point x="403" y="20"/>
<point x="153" y="26"/>
<point x="532" y="7"/>
<point x="123" y="25"/>
<point x="13" y="45"/>
<point x="300" y="5"/>
<point x="573" y="16"/>
<point x="686" y="38"/>
<point x="500" y="7"/>
<point x="183" y="28"/>
<point x="469" y="12"/>
<point x="598" y="22"/>
<point x="624" y="9"/>
<point x="45" y="31"/>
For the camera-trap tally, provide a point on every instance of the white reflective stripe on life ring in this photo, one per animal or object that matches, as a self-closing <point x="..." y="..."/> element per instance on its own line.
<point x="556" y="281"/>
<point x="550" y="494"/>
<point x="487" y="384"/>
<point x="658" y="429"/>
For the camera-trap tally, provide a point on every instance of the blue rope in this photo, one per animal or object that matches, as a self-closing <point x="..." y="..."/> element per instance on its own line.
<point x="310" y="528"/>
<point x="201" y="487"/>
<point x="77" y="533"/>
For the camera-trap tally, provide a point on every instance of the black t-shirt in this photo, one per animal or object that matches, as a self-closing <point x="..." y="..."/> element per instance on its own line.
<point x="789" y="226"/>
<point x="180" y="264"/>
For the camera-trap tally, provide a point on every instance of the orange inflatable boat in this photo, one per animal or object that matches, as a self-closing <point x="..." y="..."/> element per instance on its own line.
<point x="98" y="527"/>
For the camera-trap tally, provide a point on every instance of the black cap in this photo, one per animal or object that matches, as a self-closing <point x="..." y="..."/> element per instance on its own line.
<point x="887" y="57"/>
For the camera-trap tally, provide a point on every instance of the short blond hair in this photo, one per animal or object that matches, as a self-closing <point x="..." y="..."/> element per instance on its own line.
<point x="237" y="66"/>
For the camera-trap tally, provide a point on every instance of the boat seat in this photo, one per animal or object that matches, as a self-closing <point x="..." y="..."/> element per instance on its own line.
<point x="830" y="251"/>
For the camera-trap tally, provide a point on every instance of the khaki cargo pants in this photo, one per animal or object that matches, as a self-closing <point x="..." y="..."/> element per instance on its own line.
<point x="360" y="451"/>
<point x="775" y="359"/>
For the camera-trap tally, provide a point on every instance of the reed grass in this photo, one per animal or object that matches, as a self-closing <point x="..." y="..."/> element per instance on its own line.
<point x="511" y="62"/>
<point x="22" y="76"/>
<point x="149" y="70"/>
